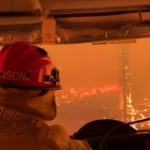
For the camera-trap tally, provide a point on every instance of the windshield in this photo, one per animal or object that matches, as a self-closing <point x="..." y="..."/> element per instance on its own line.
<point x="102" y="81"/>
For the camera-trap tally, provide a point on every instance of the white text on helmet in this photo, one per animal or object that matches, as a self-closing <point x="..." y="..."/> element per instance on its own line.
<point x="16" y="76"/>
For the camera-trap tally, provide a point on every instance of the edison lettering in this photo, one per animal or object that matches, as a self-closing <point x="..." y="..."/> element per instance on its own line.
<point x="15" y="76"/>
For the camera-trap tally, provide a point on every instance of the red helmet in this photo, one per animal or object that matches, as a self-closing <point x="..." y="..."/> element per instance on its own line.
<point x="25" y="66"/>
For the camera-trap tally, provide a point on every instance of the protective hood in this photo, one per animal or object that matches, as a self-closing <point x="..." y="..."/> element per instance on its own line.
<point x="35" y="102"/>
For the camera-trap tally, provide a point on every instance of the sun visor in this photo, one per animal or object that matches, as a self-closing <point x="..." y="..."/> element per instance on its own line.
<point x="69" y="30"/>
<point x="14" y="33"/>
<point x="20" y="20"/>
<point x="102" y="29"/>
<point x="91" y="32"/>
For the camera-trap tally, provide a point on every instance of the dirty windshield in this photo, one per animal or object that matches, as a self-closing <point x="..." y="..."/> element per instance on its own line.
<point x="102" y="81"/>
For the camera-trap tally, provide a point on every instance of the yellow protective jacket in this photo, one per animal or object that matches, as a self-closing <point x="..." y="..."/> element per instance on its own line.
<point x="22" y="125"/>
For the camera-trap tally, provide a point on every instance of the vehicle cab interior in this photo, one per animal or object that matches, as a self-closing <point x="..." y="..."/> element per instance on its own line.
<point x="103" y="51"/>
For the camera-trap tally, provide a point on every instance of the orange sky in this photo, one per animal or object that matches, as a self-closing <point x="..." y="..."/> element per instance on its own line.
<point x="87" y="65"/>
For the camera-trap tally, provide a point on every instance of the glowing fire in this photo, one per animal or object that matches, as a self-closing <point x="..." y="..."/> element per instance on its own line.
<point x="133" y="112"/>
<point x="71" y="94"/>
<point x="136" y="114"/>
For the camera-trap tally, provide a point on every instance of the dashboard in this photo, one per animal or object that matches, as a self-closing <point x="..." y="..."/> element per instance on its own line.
<point x="137" y="141"/>
<point x="124" y="137"/>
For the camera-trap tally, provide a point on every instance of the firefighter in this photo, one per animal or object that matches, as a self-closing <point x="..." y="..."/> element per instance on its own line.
<point x="28" y="80"/>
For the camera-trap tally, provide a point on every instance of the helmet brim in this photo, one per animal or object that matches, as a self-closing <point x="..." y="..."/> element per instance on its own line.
<point x="58" y="87"/>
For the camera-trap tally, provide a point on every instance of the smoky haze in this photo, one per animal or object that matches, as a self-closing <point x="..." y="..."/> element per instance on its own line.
<point x="91" y="79"/>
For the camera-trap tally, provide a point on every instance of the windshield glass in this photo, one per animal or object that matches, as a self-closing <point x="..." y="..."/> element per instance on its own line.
<point x="102" y="81"/>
